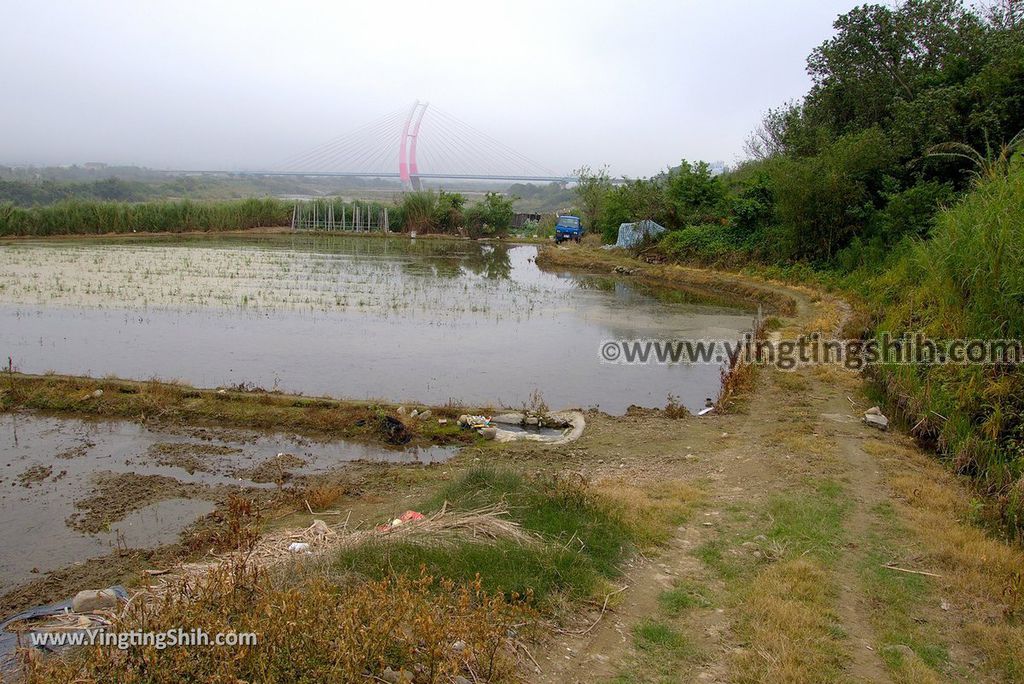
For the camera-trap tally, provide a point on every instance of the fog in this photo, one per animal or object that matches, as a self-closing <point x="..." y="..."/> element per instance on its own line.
<point x="247" y="85"/>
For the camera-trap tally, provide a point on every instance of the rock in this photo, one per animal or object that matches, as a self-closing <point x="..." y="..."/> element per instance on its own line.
<point x="415" y="412"/>
<point x="876" y="420"/>
<point x="389" y="675"/>
<point x="424" y="415"/>
<point x="463" y="420"/>
<point x="873" y="411"/>
<point x="532" y="420"/>
<point x="459" y="646"/>
<point x="97" y="394"/>
<point x="89" y="600"/>
<point x="509" y="418"/>
<point x="400" y="410"/>
<point x="488" y="432"/>
<point x="902" y="649"/>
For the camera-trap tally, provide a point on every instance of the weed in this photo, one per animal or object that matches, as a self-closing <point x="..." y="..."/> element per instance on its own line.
<point x="684" y="596"/>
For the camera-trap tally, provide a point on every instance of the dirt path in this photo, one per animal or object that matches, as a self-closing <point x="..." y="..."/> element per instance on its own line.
<point x="787" y="569"/>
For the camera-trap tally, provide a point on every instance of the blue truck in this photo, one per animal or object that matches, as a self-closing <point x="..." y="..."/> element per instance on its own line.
<point x="568" y="228"/>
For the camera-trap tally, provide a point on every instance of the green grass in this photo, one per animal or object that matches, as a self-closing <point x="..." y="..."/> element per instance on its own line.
<point x="899" y="597"/>
<point x="655" y="636"/>
<point x="810" y="524"/>
<point x="94" y="217"/>
<point x="661" y="654"/>
<point x="583" y="538"/>
<point x="561" y="511"/>
<point x="684" y="596"/>
<point x="504" y="566"/>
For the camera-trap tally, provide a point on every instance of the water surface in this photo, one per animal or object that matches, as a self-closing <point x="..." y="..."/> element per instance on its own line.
<point x="50" y="465"/>
<point x="426" y="321"/>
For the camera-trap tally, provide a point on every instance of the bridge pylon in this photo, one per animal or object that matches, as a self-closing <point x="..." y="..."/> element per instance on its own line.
<point x="408" y="170"/>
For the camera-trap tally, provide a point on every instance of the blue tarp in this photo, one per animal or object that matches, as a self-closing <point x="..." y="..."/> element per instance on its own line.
<point x="632" y="234"/>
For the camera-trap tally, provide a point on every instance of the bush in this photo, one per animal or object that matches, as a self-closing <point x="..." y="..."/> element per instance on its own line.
<point x="966" y="282"/>
<point x="87" y="217"/>
<point x="493" y="215"/>
<point x="710" y="244"/>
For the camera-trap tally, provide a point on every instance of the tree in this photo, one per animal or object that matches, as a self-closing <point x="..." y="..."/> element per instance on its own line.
<point x="694" y="195"/>
<point x="634" y="200"/>
<point x="447" y="212"/>
<point x="492" y="215"/>
<point x="592" y="189"/>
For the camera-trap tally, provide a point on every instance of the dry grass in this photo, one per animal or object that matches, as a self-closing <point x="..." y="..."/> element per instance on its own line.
<point x="787" y="624"/>
<point x="177" y="403"/>
<point x="939" y="509"/>
<point x="314" y="630"/>
<point x="980" y="574"/>
<point x="651" y="509"/>
<point x="321" y="497"/>
<point x="699" y="281"/>
<point x="314" y="625"/>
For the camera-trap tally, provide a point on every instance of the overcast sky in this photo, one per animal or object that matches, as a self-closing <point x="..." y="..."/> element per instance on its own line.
<point x="245" y="85"/>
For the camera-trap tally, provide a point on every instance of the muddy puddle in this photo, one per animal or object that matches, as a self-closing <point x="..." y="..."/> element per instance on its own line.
<point x="72" y="490"/>
<point x="426" y="321"/>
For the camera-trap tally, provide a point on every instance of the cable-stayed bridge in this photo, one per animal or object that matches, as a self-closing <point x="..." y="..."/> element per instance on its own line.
<point x="413" y="144"/>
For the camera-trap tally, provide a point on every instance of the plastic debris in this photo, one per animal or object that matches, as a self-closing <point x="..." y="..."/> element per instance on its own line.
<point x="474" y="421"/>
<point x="874" y="417"/>
<point x="89" y="600"/>
<point x="299" y="547"/>
<point x="407" y="517"/>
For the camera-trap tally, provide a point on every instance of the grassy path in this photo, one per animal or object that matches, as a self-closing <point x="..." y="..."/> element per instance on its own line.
<point x="821" y="550"/>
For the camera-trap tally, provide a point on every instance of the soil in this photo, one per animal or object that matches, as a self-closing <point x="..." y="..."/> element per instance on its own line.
<point x="118" y="494"/>
<point x="34" y="475"/>
<point x="191" y="457"/>
<point x="277" y="469"/>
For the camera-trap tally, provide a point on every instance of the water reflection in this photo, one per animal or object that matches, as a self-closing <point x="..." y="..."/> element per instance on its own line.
<point x="397" y="319"/>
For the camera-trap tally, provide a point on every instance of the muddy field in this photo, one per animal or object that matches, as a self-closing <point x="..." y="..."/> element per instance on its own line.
<point x="74" y="489"/>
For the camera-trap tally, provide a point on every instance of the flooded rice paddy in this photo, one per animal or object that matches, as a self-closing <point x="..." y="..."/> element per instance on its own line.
<point x="420" y="321"/>
<point x="74" y="489"/>
<point x="427" y="321"/>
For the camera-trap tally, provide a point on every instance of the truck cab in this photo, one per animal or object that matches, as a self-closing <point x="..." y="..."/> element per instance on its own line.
<point x="568" y="228"/>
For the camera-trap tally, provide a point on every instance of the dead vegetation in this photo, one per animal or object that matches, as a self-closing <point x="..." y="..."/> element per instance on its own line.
<point x="178" y="404"/>
<point x="698" y="281"/>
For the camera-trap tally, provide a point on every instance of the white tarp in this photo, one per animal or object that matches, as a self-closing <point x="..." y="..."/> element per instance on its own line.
<point x="631" y="234"/>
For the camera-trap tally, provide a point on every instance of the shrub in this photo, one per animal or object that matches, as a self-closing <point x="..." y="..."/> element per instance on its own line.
<point x="705" y="244"/>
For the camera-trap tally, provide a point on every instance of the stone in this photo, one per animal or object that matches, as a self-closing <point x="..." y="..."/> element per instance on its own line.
<point x="902" y="649"/>
<point x="488" y="432"/>
<point x="459" y="646"/>
<point x="89" y="600"/>
<point x="532" y="420"/>
<point x="424" y="415"/>
<point x="876" y="420"/>
<point x="97" y="394"/>
<point x="508" y="418"/>
<point x="414" y="413"/>
<point x="873" y="411"/>
<point x="400" y="410"/>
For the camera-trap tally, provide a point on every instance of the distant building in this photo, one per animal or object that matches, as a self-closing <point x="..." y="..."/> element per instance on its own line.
<point x="717" y="167"/>
<point x="94" y="166"/>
